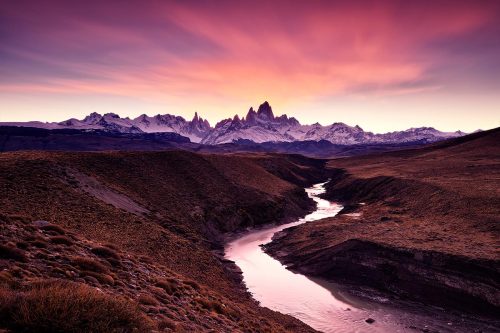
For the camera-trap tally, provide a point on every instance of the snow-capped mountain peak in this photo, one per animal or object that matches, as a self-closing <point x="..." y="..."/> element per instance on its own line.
<point x="265" y="112"/>
<point x="257" y="126"/>
<point x="92" y="118"/>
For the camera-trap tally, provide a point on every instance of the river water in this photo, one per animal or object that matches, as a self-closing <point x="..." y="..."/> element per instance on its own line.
<point x="320" y="304"/>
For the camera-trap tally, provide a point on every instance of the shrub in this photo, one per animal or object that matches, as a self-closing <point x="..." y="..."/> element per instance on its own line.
<point x="105" y="252"/>
<point x="59" y="307"/>
<point x="147" y="300"/>
<point x="167" y="323"/>
<point x="22" y="245"/>
<point x="40" y="243"/>
<point x="146" y="259"/>
<point x="102" y="278"/>
<point x="111" y="246"/>
<point x="211" y="305"/>
<point x="6" y="279"/>
<point x="89" y="264"/>
<point x="7" y="299"/>
<point x="10" y="252"/>
<point x="54" y="228"/>
<point x="192" y="284"/>
<point x="61" y="240"/>
<point x="114" y="262"/>
<point x="169" y="285"/>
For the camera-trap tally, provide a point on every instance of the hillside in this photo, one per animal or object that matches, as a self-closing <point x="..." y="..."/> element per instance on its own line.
<point x="145" y="226"/>
<point x="419" y="224"/>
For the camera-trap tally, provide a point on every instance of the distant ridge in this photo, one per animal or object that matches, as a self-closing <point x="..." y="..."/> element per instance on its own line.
<point x="257" y="126"/>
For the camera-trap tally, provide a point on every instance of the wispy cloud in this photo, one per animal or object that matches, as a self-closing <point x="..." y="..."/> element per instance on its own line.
<point x="226" y="50"/>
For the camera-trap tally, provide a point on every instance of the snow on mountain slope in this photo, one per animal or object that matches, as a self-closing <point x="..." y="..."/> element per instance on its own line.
<point x="195" y="129"/>
<point x="263" y="126"/>
<point x="418" y="134"/>
<point x="258" y="126"/>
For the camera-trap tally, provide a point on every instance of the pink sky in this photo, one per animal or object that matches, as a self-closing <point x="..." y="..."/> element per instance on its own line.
<point x="384" y="65"/>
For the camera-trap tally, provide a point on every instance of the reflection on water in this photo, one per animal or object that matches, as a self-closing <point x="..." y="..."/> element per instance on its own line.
<point x="282" y="290"/>
<point x="318" y="303"/>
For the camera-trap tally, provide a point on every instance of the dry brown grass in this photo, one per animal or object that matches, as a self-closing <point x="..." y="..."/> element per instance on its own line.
<point x="102" y="278"/>
<point x="194" y="196"/>
<point x="11" y="252"/>
<point x="167" y="324"/>
<point x="169" y="285"/>
<point x="54" y="228"/>
<point x="192" y="284"/>
<point x="59" y="307"/>
<point x="62" y="240"/>
<point x="194" y="200"/>
<point x="443" y="198"/>
<point x="88" y="264"/>
<point x="105" y="252"/>
<point x="39" y="243"/>
<point x="211" y="305"/>
<point x="147" y="300"/>
<point x="6" y="279"/>
<point x="22" y="245"/>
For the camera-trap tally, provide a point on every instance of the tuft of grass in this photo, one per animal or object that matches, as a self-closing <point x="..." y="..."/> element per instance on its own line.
<point x="146" y="259"/>
<point x="59" y="307"/>
<point x="89" y="264"/>
<point x="11" y="252"/>
<point x="39" y="243"/>
<point x="63" y="240"/>
<point x="7" y="299"/>
<point x="54" y="228"/>
<point x="167" y="324"/>
<point x="192" y="284"/>
<point x="102" y="278"/>
<point x="111" y="246"/>
<point x="105" y="252"/>
<point x="211" y="305"/>
<point x="169" y="285"/>
<point x="6" y="279"/>
<point x="22" y="245"/>
<point x="147" y="300"/>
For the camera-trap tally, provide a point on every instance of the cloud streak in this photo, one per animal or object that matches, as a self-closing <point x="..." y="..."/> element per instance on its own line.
<point x="287" y="52"/>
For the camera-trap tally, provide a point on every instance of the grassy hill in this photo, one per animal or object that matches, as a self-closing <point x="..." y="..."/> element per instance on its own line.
<point x="146" y="228"/>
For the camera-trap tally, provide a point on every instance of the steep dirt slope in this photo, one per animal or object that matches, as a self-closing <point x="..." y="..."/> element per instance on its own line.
<point x="164" y="211"/>
<point x="420" y="224"/>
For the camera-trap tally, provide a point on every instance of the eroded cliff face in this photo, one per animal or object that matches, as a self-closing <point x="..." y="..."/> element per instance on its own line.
<point x="430" y="277"/>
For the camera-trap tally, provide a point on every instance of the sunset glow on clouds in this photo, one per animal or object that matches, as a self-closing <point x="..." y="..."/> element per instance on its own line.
<point x="384" y="65"/>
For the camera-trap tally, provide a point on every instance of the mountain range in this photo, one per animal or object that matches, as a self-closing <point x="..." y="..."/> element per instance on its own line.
<point x="258" y="127"/>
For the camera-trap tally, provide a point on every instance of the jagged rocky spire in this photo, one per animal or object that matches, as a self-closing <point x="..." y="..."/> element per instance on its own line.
<point x="251" y="117"/>
<point x="265" y="111"/>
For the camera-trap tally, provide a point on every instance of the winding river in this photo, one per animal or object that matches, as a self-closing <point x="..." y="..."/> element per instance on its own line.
<point x="320" y="304"/>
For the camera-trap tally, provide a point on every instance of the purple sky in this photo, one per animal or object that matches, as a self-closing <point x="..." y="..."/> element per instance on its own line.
<point x="384" y="65"/>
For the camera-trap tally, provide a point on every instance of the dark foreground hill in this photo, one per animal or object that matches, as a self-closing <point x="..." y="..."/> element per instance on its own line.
<point x="105" y="242"/>
<point x="420" y="224"/>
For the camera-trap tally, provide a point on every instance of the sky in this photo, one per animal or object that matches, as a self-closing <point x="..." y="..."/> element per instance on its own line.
<point x="384" y="65"/>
